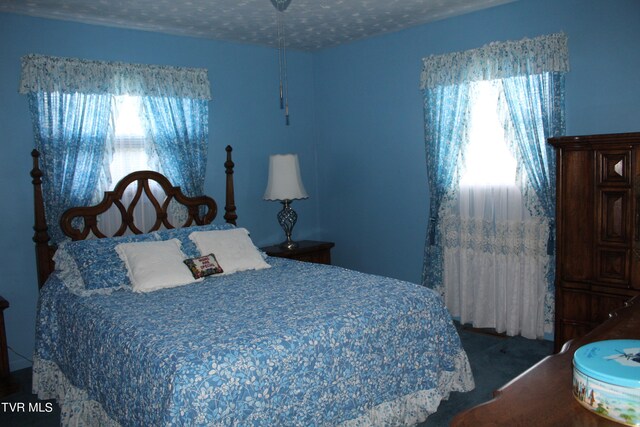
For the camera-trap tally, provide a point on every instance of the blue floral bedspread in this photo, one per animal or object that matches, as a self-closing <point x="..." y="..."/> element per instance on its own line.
<point x="297" y="344"/>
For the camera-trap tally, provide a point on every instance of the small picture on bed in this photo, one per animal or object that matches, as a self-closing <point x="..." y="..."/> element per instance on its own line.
<point x="194" y="325"/>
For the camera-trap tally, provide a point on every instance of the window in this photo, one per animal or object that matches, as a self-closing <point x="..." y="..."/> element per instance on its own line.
<point x="131" y="152"/>
<point x="488" y="161"/>
<point x="130" y="145"/>
<point x="72" y="109"/>
<point x="490" y="229"/>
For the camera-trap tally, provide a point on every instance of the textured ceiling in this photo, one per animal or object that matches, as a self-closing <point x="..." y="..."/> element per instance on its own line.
<point x="310" y="24"/>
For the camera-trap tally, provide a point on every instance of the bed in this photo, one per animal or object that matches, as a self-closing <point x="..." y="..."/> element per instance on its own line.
<point x="273" y="342"/>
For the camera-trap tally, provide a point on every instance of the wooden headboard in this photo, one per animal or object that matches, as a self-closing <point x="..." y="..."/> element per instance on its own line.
<point x="199" y="210"/>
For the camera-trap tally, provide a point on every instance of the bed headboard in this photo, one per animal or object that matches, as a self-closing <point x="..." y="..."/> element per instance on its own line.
<point x="199" y="210"/>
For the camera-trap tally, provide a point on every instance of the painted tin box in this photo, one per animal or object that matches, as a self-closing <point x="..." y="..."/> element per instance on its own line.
<point x="606" y="379"/>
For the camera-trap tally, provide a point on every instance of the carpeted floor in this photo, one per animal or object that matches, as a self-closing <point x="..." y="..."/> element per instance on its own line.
<point x="494" y="361"/>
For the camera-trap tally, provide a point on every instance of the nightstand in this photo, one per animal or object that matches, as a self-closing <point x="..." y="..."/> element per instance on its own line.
<point x="8" y="384"/>
<point x="307" y="250"/>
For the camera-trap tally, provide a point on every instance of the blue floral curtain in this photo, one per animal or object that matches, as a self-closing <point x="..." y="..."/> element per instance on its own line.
<point x="179" y="129"/>
<point x="446" y="113"/>
<point x="70" y="101"/>
<point x="71" y="134"/>
<point x="535" y="108"/>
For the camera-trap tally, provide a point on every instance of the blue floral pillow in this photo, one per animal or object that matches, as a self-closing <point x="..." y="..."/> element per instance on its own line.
<point x="188" y="247"/>
<point x="93" y="266"/>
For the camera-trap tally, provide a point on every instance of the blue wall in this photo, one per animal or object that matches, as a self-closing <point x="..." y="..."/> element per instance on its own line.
<point x="371" y="153"/>
<point x="357" y="124"/>
<point x="244" y="112"/>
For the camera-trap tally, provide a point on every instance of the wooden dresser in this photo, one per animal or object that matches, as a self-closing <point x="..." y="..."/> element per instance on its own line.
<point x="598" y="229"/>
<point x="542" y="396"/>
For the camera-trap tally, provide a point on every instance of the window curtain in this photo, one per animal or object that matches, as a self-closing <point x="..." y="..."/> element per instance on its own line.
<point x="534" y="107"/>
<point x="179" y="130"/>
<point x="496" y="261"/>
<point x="477" y="274"/>
<point x="446" y="117"/>
<point x="75" y="131"/>
<point x="71" y="132"/>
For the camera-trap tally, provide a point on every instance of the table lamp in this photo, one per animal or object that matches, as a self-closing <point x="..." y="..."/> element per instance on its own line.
<point x="285" y="185"/>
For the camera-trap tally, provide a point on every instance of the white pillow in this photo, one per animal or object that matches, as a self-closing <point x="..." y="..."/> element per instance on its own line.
<point x="233" y="249"/>
<point x="155" y="265"/>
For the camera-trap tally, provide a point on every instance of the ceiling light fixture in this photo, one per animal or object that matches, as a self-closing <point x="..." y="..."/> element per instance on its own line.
<point x="281" y="6"/>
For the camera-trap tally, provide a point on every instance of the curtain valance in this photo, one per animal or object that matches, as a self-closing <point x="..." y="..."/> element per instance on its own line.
<point x="72" y="75"/>
<point x="497" y="60"/>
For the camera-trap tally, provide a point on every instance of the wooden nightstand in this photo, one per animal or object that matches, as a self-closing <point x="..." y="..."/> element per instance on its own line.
<point x="8" y="384"/>
<point x="307" y="250"/>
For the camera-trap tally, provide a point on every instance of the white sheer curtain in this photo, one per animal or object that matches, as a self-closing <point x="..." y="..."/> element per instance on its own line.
<point x="495" y="256"/>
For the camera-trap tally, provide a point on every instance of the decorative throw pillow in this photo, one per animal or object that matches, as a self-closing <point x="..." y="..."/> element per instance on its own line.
<point x="155" y="265"/>
<point x="233" y="248"/>
<point x="203" y="266"/>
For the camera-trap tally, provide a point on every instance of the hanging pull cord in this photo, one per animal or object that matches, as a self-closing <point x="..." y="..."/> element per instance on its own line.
<point x="280" y="28"/>
<point x="286" y="78"/>
<point x="282" y="59"/>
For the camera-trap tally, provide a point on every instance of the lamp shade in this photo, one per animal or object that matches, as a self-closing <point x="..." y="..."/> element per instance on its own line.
<point x="284" y="178"/>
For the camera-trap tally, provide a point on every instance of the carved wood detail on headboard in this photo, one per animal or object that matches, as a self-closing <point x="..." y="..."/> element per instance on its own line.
<point x="200" y="210"/>
<point x="143" y="181"/>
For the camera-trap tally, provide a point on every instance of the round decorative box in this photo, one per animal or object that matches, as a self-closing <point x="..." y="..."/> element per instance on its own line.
<point x="606" y="379"/>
